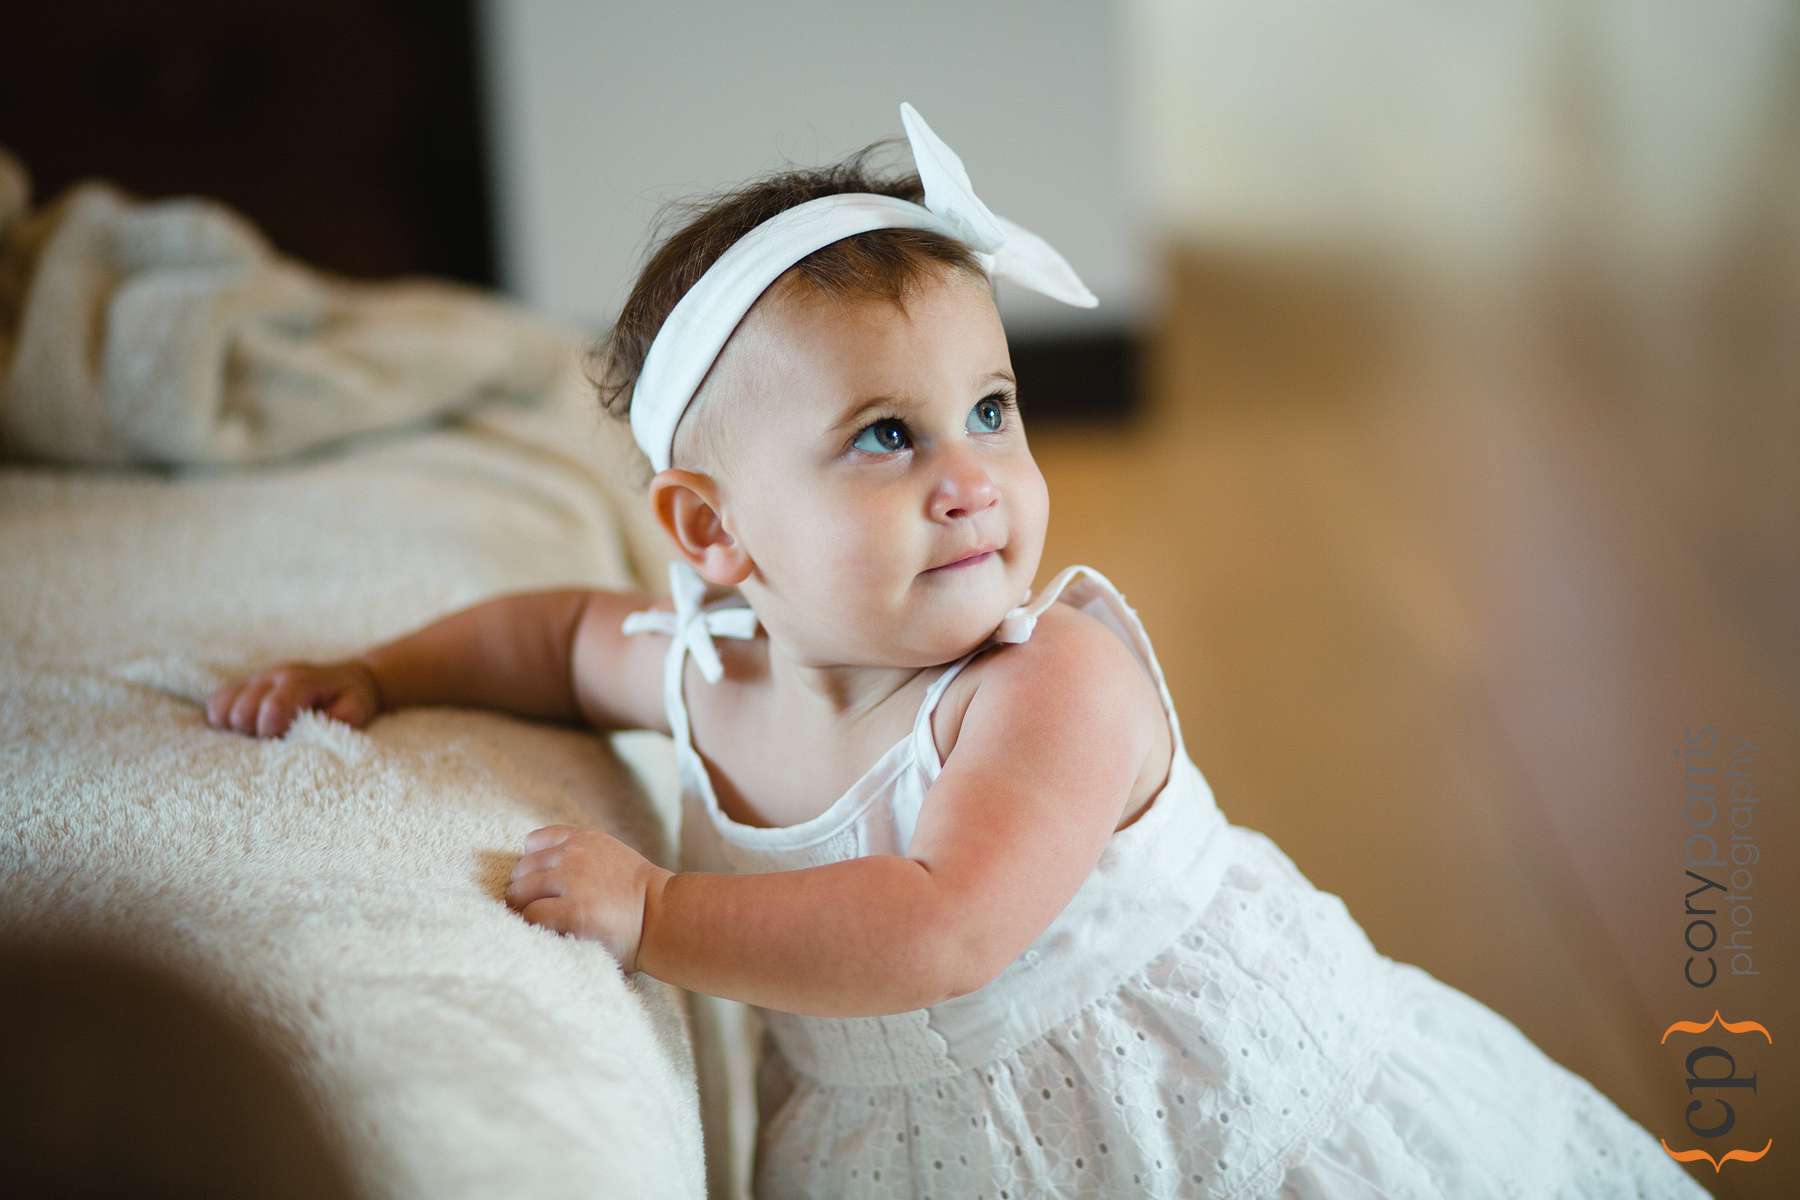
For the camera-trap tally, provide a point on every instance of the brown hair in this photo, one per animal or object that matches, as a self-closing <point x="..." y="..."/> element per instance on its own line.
<point x="881" y="264"/>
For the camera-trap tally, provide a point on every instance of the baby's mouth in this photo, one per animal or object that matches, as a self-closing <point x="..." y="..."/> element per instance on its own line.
<point x="964" y="563"/>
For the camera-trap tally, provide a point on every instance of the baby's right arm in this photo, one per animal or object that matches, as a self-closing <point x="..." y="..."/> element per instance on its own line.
<point x="556" y="656"/>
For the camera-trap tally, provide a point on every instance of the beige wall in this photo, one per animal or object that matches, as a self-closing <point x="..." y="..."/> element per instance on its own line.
<point x="601" y="112"/>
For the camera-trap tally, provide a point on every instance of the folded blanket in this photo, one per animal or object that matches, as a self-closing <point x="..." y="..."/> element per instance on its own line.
<point x="341" y="890"/>
<point x="170" y="332"/>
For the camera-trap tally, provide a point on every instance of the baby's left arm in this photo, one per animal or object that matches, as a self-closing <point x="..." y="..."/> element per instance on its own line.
<point x="1048" y="750"/>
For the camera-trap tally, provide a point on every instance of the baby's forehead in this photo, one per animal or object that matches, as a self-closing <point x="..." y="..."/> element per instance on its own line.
<point x="799" y="349"/>
<point x="793" y="317"/>
<point x="798" y="335"/>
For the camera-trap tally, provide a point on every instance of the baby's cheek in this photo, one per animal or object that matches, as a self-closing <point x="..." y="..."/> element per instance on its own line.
<point x="1038" y="489"/>
<point x="1027" y="524"/>
<point x="848" y="557"/>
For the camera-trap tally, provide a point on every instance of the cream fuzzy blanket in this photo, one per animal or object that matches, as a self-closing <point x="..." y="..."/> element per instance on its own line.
<point x="340" y="888"/>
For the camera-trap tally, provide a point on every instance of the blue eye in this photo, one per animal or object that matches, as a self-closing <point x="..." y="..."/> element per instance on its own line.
<point x="998" y="405"/>
<point x="889" y="424"/>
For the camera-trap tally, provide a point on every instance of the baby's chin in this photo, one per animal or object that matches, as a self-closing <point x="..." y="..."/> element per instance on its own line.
<point x="975" y="605"/>
<point x="972" y="633"/>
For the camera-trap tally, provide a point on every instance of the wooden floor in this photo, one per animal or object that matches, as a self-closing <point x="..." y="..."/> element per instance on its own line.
<point x="1439" y="583"/>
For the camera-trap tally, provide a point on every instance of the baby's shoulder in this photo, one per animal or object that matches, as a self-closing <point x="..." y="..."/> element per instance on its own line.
<point x="1065" y="639"/>
<point x="1068" y="648"/>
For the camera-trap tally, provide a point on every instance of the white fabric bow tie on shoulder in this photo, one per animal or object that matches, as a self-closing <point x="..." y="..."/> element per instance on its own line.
<point x="691" y="623"/>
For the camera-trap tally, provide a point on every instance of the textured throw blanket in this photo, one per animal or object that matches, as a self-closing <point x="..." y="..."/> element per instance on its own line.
<point x="169" y="332"/>
<point x="340" y="889"/>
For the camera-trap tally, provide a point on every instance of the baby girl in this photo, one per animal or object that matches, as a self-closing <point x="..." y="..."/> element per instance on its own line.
<point x="940" y="829"/>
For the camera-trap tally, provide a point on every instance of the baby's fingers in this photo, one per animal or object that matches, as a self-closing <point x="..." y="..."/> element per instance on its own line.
<point x="276" y="712"/>
<point x="218" y="705"/>
<point x="548" y="835"/>
<point x="249" y="700"/>
<point x="533" y="886"/>
<point x="552" y="912"/>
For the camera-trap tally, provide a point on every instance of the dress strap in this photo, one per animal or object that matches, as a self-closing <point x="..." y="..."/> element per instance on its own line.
<point x="941" y="684"/>
<point x="924" y="742"/>
<point x="690" y="628"/>
<point x="1095" y="595"/>
<point x="1016" y="626"/>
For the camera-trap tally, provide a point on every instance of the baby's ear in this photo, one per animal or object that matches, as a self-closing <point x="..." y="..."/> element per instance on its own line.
<point x="725" y="566"/>
<point x="688" y="507"/>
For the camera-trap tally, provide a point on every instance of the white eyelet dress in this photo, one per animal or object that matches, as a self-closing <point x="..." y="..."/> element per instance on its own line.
<point x="1199" y="1021"/>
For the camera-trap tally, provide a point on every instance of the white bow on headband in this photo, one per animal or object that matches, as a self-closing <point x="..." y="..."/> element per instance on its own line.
<point x="1005" y="250"/>
<point x="703" y="320"/>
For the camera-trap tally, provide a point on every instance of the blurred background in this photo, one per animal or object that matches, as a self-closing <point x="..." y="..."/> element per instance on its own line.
<point x="1439" y="415"/>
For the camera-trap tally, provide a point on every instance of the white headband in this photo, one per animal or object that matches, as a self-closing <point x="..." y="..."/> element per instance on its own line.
<point x="701" y="323"/>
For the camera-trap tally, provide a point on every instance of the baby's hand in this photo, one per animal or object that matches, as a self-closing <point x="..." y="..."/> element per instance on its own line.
<point x="586" y="883"/>
<point x="265" y="704"/>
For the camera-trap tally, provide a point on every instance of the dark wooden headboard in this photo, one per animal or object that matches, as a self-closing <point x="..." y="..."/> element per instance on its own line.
<point x="350" y="132"/>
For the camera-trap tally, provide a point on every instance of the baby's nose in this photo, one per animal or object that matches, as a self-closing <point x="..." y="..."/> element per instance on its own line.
<point x="966" y="489"/>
